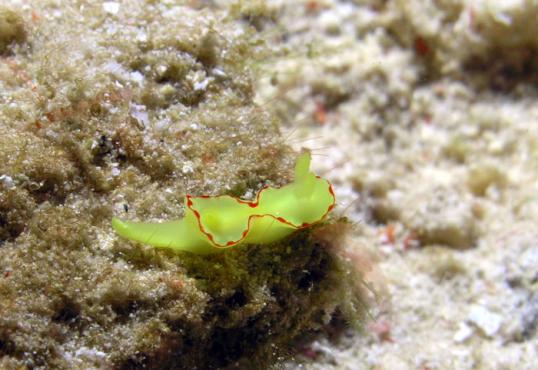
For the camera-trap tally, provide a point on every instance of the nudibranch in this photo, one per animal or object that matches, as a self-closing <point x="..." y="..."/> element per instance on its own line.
<point x="211" y="224"/>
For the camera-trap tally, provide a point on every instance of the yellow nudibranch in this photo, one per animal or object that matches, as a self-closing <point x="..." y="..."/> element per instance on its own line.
<point x="214" y="223"/>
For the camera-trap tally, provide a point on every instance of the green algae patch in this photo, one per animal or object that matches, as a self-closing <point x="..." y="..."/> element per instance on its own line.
<point x="123" y="110"/>
<point x="12" y="28"/>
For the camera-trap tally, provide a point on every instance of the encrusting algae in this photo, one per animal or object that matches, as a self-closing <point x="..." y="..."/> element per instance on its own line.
<point x="119" y="109"/>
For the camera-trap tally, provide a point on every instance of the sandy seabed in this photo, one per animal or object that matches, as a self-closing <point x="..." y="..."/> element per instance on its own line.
<point x="425" y="117"/>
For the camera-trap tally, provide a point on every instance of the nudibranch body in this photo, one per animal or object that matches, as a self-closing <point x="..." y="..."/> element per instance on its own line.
<point x="213" y="223"/>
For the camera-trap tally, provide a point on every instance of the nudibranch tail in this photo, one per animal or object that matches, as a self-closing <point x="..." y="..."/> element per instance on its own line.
<point x="213" y="223"/>
<point x="170" y="234"/>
